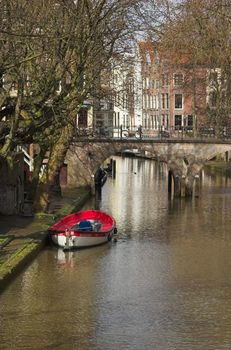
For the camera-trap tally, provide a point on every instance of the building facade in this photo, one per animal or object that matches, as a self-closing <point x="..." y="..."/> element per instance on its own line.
<point x="174" y="95"/>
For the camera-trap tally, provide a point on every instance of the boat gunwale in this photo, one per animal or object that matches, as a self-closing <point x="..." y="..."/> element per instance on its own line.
<point x="111" y="226"/>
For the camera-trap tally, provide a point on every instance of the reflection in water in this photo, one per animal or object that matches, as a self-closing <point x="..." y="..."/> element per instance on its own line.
<point x="165" y="284"/>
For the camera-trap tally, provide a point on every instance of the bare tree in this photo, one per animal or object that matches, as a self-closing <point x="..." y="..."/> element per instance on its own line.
<point x="52" y="55"/>
<point x="103" y="28"/>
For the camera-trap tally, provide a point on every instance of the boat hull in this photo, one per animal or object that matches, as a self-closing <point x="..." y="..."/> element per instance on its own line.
<point x="82" y="240"/>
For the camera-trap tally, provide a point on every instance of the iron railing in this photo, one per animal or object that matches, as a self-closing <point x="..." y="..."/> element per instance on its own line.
<point x="178" y="132"/>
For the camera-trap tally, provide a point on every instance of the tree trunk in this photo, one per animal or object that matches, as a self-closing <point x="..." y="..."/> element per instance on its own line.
<point x="55" y="163"/>
<point x="38" y="161"/>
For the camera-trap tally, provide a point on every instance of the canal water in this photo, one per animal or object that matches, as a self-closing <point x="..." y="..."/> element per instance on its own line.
<point x="165" y="285"/>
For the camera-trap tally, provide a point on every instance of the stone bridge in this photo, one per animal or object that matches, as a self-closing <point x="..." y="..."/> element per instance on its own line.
<point x="184" y="158"/>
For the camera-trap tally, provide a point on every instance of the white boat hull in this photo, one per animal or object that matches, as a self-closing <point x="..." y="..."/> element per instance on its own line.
<point x="82" y="240"/>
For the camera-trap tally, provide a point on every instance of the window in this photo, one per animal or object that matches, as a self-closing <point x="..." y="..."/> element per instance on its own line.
<point x="178" y="122"/>
<point x="82" y="120"/>
<point x="178" y="79"/>
<point x="167" y="101"/>
<point x="155" y="122"/>
<point x="148" y="58"/>
<point x="178" y="101"/>
<point x="124" y="121"/>
<point x="151" y="101"/>
<point x="156" y="56"/>
<point x="118" y="118"/>
<point x="147" y="82"/>
<point x="190" y="121"/>
<point x="127" y="122"/>
<point x="165" y="79"/>
<point x="157" y="101"/>
<point x="144" y="100"/>
<point x="147" y="101"/>
<point x="145" y="120"/>
<point x="164" y="121"/>
<point x="164" y="101"/>
<point x="114" y="120"/>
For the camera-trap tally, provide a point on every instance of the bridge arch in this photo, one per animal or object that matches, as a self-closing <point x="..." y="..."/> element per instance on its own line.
<point x="184" y="159"/>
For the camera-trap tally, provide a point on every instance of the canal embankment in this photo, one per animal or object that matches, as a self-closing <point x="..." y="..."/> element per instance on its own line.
<point x="21" y="238"/>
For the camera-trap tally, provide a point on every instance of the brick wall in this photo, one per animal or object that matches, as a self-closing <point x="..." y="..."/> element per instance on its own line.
<point x="11" y="184"/>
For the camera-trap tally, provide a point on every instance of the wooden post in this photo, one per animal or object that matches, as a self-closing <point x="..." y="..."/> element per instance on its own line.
<point x="113" y="169"/>
<point x="196" y="186"/>
<point x="182" y="187"/>
<point x="170" y="184"/>
<point x="93" y="184"/>
<point x="169" y="181"/>
<point x="121" y="131"/>
<point x="177" y="191"/>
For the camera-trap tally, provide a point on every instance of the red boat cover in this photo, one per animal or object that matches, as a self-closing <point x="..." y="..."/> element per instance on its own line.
<point x="107" y="221"/>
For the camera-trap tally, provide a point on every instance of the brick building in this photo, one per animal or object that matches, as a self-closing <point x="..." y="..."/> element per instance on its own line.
<point x="174" y="93"/>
